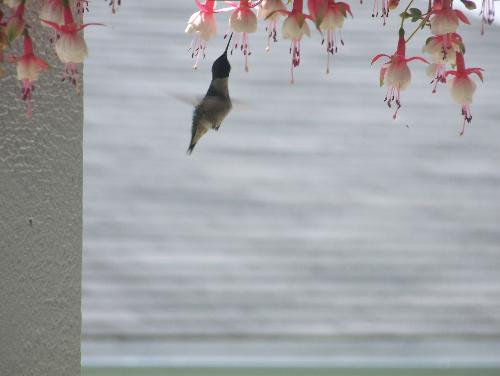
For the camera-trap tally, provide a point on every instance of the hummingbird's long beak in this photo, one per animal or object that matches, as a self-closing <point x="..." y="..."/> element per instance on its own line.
<point x="229" y="41"/>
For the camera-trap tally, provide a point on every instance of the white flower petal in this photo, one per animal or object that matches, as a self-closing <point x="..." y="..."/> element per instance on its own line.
<point x="243" y="21"/>
<point x="268" y="6"/>
<point x="292" y="30"/>
<point x="443" y="22"/>
<point x="71" y="48"/>
<point x="462" y="89"/>
<point x="398" y="75"/>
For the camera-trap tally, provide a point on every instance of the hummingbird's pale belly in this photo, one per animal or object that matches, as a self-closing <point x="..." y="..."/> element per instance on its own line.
<point x="209" y="114"/>
<point x="212" y="111"/>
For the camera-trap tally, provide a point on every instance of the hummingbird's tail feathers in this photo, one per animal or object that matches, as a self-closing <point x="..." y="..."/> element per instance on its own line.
<point x="190" y="148"/>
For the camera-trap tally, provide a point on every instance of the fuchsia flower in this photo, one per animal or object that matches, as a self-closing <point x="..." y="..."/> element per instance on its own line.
<point x="444" y="19"/>
<point x="335" y="15"/>
<point x="243" y="21"/>
<point x="29" y="67"/>
<point x="442" y="50"/>
<point x="333" y="19"/>
<point x="70" y="46"/>
<point x="15" y="24"/>
<point x="462" y="88"/>
<point x="268" y="10"/>
<point x="204" y="27"/>
<point x="294" y="28"/>
<point x="395" y="73"/>
<point x="52" y="10"/>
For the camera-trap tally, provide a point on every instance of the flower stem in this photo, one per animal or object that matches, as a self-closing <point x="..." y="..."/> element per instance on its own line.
<point x="404" y="12"/>
<point x="424" y="20"/>
<point x="460" y="62"/>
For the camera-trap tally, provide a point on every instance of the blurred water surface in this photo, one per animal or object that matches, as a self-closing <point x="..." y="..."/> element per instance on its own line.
<point x="311" y="229"/>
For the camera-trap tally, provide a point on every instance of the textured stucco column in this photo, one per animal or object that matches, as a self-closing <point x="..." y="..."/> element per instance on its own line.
<point x="40" y="222"/>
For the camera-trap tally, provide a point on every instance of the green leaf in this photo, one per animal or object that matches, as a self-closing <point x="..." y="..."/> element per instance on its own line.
<point x="469" y="4"/>
<point x="416" y="14"/>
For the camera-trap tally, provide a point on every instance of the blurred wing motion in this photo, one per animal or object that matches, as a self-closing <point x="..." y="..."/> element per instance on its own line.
<point x="191" y="100"/>
<point x="194" y="100"/>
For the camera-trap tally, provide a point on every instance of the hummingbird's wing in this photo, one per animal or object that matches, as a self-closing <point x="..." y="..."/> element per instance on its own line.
<point x="188" y="99"/>
<point x="194" y="100"/>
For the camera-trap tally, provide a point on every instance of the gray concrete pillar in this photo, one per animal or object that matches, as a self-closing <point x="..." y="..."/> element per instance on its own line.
<point x="40" y="221"/>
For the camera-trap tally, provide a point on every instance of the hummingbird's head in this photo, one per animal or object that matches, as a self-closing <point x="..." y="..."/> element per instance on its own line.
<point x="221" y="66"/>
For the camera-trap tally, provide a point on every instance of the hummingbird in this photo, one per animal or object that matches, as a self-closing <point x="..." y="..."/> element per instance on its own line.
<point x="216" y="104"/>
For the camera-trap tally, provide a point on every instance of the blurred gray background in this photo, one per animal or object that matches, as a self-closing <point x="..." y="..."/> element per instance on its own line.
<point x="311" y="229"/>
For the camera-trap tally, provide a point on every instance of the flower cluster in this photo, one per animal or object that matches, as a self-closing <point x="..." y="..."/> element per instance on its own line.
<point x="69" y="45"/>
<point x="444" y="47"/>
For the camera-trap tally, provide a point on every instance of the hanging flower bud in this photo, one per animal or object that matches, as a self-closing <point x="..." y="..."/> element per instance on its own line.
<point x="294" y="28"/>
<point x="29" y="67"/>
<point x="333" y="19"/>
<point x="70" y="47"/>
<point x="335" y="15"/>
<point x="444" y="19"/>
<point x="395" y="73"/>
<point x="442" y="50"/>
<point x="243" y="21"/>
<point x="462" y="88"/>
<point x="203" y="26"/>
